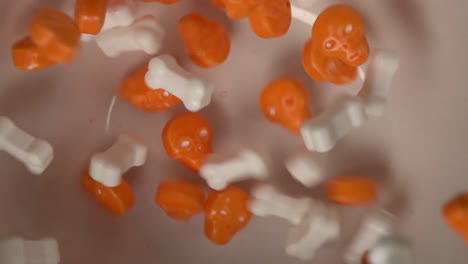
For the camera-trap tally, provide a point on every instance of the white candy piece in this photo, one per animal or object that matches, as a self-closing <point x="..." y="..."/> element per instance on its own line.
<point x="164" y="72"/>
<point x="119" y="13"/>
<point x="322" y="132"/>
<point x="391" y="250"/>
<point x="268" y="201"/>
<point x="319" y="226"/>
<point x="145" y="34"/>
<point x="306" y="168"/>
<point x="373" y="228"/>
<point x="19" y="251"/>
<point x="220" y="170"/>
<point x="376" y="88"/>
<point x="108" y="167"/>
<point x="35" y="153"/>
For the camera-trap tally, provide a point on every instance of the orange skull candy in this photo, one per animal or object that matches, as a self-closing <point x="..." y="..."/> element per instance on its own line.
<point x="339" y="32"/>
<point x="455" y="213"/>
<point x="271" y="18"/>
<point x="135" y="90"/>
<point x="187" y="138"/>
<point x="323" y="68"/>
<point x="286" y="101"/>
<point x="226" y="214"/>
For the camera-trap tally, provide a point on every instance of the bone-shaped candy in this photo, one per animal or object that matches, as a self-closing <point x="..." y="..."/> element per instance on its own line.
<point x="145" y="34"/>
<point x="35" y="153"/>
<point x="108" y="167"/>
<point x="164" y="72"/>
<point x="220" y="170"/>
<point x="374" y="227"/>
<point x="322" y="132"/>
<point x="319" y="226"/>
<point x="390" y="250"/>
<point x="267" y="201"/>
<point x="119" y="13"/>
<point x="306" y="168"/>
<point x="16" y="250"/>
<point x="382" y="69"/>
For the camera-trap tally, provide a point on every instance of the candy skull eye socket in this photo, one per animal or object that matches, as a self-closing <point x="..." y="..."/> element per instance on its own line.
<point x="184" y="144"/>
<point x="289" y="101"/>
<point x="348" y="29"/>
<point x="330" y="44"/>
<point x="203" y="133"/>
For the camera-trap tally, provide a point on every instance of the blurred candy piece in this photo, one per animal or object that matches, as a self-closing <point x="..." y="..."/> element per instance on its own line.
<point x="116" y="200"/>
<point x="164" y="72"/>
<point x="322" y="132"/>
<point x="187" y="138"/>
<point x="90" y="15"/>
<point x="226" y="214"/>
<point x="134" y="90"/>
<point x="352" y="190"/>
<point x="17" y="250"/>
<point x="375" y="226"/>
<point x="108" y="167"/>
<point x="56" y="35"/>
<point x="287" y="102"/>
<point x="271" y="18"/>
<point x="380" y="73"/>
<point x="27" y="56"/>
<point x="206" y="41"/>
<point x="268" y="201"/>
<point x="236" y="9"/>
<point x="167" y="2"/>
<point x="455" y="213"/>
<point x="180" y="199"/>
<point x="390" y="250"/>
<point x="220" y="170"/>
<point x="145" y="34"/>
<point x="319" y="226"/>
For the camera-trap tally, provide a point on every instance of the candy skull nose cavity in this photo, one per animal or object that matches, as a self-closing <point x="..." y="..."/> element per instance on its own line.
<point x="289" y="101"/>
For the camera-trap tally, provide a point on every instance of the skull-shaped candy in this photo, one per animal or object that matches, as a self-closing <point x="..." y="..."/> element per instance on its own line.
<point x="187" y="137"/>
<point x="339" y="32"/>
<point x="226" y="213"/>
<point x="135" y="90"/>
<point x="286" y="101"/>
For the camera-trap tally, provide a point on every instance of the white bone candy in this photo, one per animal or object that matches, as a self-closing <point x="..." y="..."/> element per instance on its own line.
<point x="145" y="34"/>
<point x="307" y="168"/>
<point x="19" y="251"/>
<point x="376" y="88"/>
<point x="390" y="250"/>
<point x="318" y="227"/>
<point x="220" y="170"/>
<point x="108" y="167"/>
<point x="374" y="227"/>
<point x="267" y="201"/>
<point x="119" y="13"/>
<point x="164" y="72"/>
<point x="322" y="132"/>
<point x="35" y="153"/>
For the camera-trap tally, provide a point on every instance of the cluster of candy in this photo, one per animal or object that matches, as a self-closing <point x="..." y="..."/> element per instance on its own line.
<point x="336" y="50"/>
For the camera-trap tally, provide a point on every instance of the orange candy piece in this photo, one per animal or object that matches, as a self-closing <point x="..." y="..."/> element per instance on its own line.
<point x="90" y="15"/>
<point x="207" y="42"/>
<point x="226" y="213"/>
<point x="338" y="45"/>
<point x="287" y="102"/>
<point x="134" y="90"/>
<point x="271" y="18"/>
<point x="237" y="9"/>
<point x="455" y="213"/>
<point x="27" y="56"/>
<point x="116" y="200"/>
<point x="352" y="190"/>
<point x="56" y="35"/>
<point x="187" y="137"/>
<point x="180" y="199"/>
